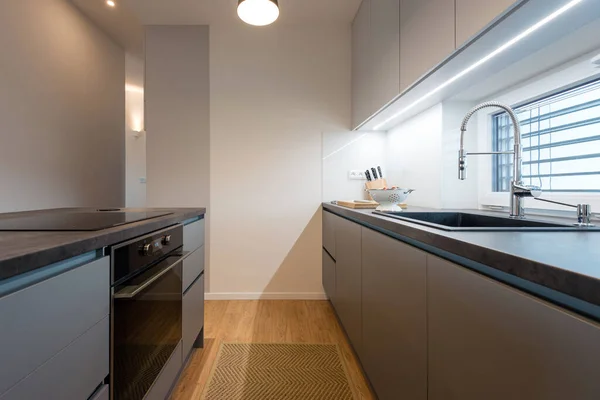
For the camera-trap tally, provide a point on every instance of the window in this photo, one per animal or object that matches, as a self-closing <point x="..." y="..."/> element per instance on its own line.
<point x="561" y="142"/>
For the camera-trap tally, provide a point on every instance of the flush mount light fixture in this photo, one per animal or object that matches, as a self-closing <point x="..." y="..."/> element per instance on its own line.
<point x="110" y="3"/>
<point x="258" y="12"/>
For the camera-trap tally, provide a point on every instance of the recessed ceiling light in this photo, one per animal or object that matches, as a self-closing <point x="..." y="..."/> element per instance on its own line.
<point x="258" y="12"/>
<point x="110" y="3"/>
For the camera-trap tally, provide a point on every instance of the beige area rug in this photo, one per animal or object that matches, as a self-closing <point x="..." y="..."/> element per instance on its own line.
<point x="278" y="371"/>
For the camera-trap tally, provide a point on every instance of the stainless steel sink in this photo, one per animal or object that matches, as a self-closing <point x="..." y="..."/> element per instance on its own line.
<point x="459" y="221"/>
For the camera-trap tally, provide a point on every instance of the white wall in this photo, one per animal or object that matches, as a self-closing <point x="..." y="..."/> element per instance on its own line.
<point x="135" y="141"/>
<point x="62" y="109"/>
<point x="346" y="151"/>
<point x="274" y="90"/>
<point x="177" y="116"/>
<point x="413" y="157"/>
<point x="422" y="154"/>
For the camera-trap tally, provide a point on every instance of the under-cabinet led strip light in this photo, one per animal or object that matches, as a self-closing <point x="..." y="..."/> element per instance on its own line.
<point x="485" y="59"/>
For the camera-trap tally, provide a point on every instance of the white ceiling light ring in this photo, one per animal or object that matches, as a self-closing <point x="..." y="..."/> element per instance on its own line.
<point x="258" y="12"/>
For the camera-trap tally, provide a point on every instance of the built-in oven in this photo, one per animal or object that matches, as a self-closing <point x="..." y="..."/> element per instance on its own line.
<point x="146" y="310"/>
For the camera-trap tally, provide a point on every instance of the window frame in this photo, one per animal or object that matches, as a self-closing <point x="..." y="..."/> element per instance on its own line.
<point x="566" y="77"/>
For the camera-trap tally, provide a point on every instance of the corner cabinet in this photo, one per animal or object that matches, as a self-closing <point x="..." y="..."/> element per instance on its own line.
<point x="394" y="317"/>
<point x="490" y="341"/>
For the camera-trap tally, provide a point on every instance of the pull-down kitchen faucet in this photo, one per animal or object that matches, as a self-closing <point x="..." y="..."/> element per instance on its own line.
<point x="517" y="189"/>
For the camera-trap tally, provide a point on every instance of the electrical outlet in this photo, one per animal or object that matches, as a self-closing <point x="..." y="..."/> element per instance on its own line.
<point x="143" y="179"/>
<point x="357" y="175"/>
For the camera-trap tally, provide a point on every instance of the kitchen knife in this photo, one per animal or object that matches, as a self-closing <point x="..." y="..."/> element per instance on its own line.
<point x="380" y="173"/>
<point x="374" y="171"/>
<point x="368" y="175"/>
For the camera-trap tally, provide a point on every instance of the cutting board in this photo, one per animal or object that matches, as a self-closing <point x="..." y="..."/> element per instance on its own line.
<point x="358" y="205"/>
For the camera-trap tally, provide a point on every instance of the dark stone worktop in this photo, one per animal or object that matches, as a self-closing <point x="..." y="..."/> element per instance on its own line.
<point x="565" y="262"/>
<point x="22" y="252"/>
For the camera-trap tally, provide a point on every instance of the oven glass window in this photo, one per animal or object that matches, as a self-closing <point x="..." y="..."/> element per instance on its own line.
<point x="147" y="328"/>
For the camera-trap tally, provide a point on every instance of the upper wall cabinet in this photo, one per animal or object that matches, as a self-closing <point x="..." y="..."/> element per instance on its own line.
<point x="385" y="47"/>
<point x="473" y="15"/>
<point x="427" y="36"/>
<point x="375" y="57"/>
<point x="361" y="65"/>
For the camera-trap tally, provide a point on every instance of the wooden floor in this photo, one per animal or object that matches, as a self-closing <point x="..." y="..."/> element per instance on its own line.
<point x="265" y="321"/>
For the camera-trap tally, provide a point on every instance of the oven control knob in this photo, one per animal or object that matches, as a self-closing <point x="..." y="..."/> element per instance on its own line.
<point x="147" y="249"/>
<point x="166" y="239"/>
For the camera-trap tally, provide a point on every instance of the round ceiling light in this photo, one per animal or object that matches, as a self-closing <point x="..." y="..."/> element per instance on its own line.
<point x="258" y="12"/>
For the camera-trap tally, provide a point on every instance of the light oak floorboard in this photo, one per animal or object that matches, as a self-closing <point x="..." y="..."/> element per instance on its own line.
<point x="266" y="321"/>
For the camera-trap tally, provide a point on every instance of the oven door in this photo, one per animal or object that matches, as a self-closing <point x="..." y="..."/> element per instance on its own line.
<point x="146" y="327"/>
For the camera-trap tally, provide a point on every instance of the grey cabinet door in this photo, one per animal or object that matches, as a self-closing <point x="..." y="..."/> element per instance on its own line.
<point x="348" y="279"/>
<point x="361" y="65"/>
<point x="426" y="37"/>
<point x="385" y="51"/>
<point x="473" y="15"/>
<point x="329" y="232"/>
<point x="192" y="315"/>
<point x="394" y="314"/>
<point x="328" y="275"/>
<point x="490" y="341"/>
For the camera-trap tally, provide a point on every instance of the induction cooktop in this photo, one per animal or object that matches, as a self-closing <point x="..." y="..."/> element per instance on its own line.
<point x="76" y="221"/>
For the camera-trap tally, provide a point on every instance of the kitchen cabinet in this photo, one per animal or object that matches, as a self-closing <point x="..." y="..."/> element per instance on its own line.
<point x="328" y="276"/>
<point x="427" y="37"/>
<point x="362" y="104"/>
<point x="193" y="317"/>
<point x="58" y="319"/>
<point x="473" y="15"/>
<point x="348" y="279"/>
<point x="394" y="317"/>
<point x="329" y="232"/>
<point x="385" y="52"/>
<point x="490" y="341"/>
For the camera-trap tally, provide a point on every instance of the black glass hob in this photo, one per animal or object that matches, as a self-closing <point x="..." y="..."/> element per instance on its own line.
<point x="75" y="221"/>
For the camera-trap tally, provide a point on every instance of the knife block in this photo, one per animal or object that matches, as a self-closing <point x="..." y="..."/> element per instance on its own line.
<point x="376" y="184"/>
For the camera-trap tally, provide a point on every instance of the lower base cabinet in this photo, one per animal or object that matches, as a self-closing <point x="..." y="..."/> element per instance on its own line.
<point x="328" y="276"/>
<point x="394" y="317"/>
<point x="193" y="315"/>
<point x="347" y="299"/>
<point x="490" y="341"/>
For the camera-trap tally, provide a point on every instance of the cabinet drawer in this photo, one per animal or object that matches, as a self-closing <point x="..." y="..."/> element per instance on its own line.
<point x="193" y="314"/>
<point x="328" y="276"/>
<point x="329" y="232"/>
<point x="193" y="235"/>
<point x="73" y="373"/>
<point x="166" y="380"/>
<point x="193" y="265"/>
<point x="41" y="320"/>
<point x="101" y="394"/>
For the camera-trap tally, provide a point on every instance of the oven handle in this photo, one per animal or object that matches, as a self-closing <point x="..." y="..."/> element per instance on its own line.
<point x="130" y="292"/>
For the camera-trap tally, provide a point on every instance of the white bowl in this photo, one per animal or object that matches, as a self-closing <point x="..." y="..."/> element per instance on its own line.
<point x="389" y="199"/>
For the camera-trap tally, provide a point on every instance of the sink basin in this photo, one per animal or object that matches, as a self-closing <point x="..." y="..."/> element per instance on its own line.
<point x="459" y="221"/>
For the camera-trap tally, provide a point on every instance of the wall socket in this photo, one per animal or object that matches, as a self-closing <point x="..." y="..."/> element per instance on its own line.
<point x="357" y="175"/>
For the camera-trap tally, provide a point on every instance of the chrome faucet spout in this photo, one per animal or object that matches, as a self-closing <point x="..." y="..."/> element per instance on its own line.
<point x="517" y="190"/>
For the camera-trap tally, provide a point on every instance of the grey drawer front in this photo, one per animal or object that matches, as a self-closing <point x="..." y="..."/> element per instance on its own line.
<point x="101" y="394"/>
<point x="41" y="320"/>
<point x="329" y="232"/>
<point x="193" y="314"/>
<point x="74" y="373"/>
<point x="193" y="235"/>
<point x="166" y="380"/>
<point x="193" y="265"/>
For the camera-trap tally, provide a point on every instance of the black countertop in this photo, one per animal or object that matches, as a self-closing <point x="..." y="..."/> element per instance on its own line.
<point x="22" y="252"/>
<point x="567" y="263"/>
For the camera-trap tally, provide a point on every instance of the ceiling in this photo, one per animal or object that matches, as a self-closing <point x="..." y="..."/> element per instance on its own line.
<point x="124" y="22"/>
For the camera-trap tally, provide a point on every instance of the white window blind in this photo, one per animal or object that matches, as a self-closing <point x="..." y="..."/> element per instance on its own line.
<point x="561" y="142"/>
